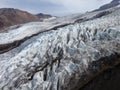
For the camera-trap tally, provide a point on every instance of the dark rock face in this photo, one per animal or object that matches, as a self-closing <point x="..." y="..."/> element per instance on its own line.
<point x="108" y="80"/>
<point x="1" y="23"/>
<point x="42" y="16"/>
<point x="109" y="5"/>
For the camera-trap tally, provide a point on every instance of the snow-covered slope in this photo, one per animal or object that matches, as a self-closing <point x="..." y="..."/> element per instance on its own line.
<point x="112" y="4"/>
<point x="63" y="58"/>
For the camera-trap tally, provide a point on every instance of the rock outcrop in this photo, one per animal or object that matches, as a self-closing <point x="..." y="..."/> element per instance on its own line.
<point x="42" y="16"/>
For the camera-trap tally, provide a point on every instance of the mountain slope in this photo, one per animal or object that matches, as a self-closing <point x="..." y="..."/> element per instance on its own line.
<point x="109" y="5"/>
<point x="10" y="16"/>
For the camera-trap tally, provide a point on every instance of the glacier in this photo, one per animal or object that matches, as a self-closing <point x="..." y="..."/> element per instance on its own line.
<point x="62" y="58"/>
